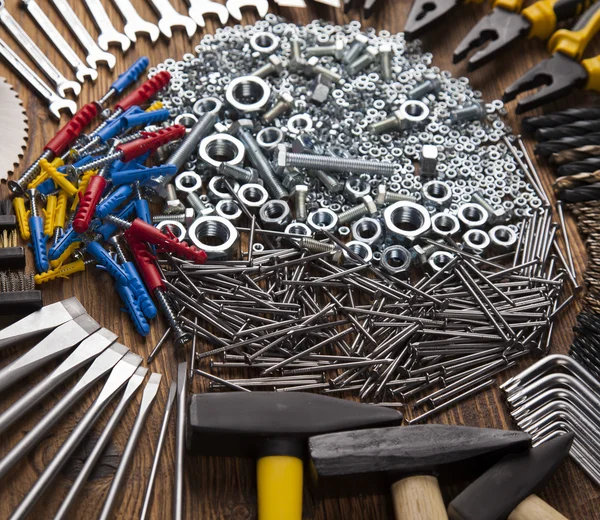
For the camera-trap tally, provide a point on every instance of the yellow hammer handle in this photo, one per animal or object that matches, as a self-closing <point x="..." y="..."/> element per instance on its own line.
<point x="279" y="481"/>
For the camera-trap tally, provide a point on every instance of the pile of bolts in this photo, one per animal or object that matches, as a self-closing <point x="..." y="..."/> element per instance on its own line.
<point x="396" y="236"/>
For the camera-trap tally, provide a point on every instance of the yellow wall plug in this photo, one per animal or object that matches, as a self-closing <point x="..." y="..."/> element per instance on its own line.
<point x="49" y="214"/>
<point x="22" y="215"/>
<point x="64" y="271"/>
<point x="59" y="178"/>
<point x="43" y="175"/>
<point x="66" y="255"/>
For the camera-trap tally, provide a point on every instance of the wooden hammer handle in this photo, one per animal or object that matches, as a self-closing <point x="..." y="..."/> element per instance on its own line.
<point x="534" y="508"/>
<point x="419" y="498"/>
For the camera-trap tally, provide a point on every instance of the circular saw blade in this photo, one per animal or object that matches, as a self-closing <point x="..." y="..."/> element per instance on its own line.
<point x="13" y="129"/>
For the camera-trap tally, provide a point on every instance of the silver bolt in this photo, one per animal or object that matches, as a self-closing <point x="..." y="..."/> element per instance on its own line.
<point x="300" y="193"/>
<point x="315" y="246"/>
<point x="172" y="202"/>
<point x="356" y="47"/>
<point x="332" y="185"/>
<point x="389" y="197"/>
<point x="313" y="68"/>
<point x="336" y="50"/>
<point x="496" y="214"/>
<point x="469" y="113"/>
<point x="297" y="62"/>
<point x="186" y="218"/>
<point x="367" y="207"/>
<point x="429" y="155"/>
<point x="422" y="89"/>
<point x="245" y="176"/>
<point x="284" y="103"/>
<point x="200" y="209"/>
<point x="275" y="65"/>
<point x="361" y="63"/>
<point x="385" y="57"/>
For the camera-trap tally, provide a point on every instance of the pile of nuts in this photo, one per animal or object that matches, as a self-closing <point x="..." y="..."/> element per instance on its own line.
<point x="352" y="145"/>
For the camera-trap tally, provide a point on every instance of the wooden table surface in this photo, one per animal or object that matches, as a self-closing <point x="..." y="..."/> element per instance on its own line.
<point x="218" y="488"/>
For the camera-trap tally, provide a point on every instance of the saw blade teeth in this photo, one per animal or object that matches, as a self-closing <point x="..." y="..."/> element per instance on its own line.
<point x="14" y="129"/>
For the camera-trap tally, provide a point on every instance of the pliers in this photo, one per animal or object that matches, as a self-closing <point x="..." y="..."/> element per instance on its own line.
<point x="425" y="13"/>
<point x="562" y="72"/>
<point x="505" y="24"/>
<point x="368" y="7"/>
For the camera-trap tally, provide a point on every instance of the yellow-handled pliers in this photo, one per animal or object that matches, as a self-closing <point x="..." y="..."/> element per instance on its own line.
<point x="508" y="23"/>
<point x="564" y="71"/>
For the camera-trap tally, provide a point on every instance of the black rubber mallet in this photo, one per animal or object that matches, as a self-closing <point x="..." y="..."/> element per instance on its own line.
<point x="274" y="428"/>
<point x="505" y="491"/>
<point x="407" y="458"/>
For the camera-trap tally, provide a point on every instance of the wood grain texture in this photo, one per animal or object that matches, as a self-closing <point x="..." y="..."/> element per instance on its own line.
<point x="219" y="488"/>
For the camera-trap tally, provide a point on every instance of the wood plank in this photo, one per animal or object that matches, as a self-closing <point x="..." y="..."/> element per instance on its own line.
<point x="224" y="488"/>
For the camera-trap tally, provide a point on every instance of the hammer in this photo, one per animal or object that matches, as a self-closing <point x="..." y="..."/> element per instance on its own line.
<point x="274" y="428"/>
<point x="506" y="489"/>
<point x="408" y="455"/>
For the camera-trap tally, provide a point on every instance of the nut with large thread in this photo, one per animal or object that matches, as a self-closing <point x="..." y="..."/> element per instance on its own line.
<point x="275" y="214"/>
<point x="472" y="215"/>
<point x="300" y="193"/>
<point x="237" y="173"/>
<point x="284" y="159"/>
<point x="405" y="222"/>
<point x="496" y="214"/>
<point x="367" y="207"/>
<point x="322" y="219"/>
<point x="262" y="165"/>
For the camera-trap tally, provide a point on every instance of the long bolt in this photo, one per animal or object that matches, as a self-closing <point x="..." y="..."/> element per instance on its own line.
<point x="262" y="164"/>
<point x="469" y="113"/>
<point x="274" y="66"/>
<point x="353" y="214"/>
<point x="336" y="50"/>
<point x="422" y="89"/>
<point x="337" y="164"/>
<point x="368" y="57"/>
<point x="300" y="193"/>
<point x="356" y="47"/>
<point x="332" y="185"/>
<point x="313" y="68"/>
<point x="239" y="174"/>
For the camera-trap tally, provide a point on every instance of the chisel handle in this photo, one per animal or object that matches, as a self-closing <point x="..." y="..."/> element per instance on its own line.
<point x="418" y="498"/>
<point x="534" y="508"/>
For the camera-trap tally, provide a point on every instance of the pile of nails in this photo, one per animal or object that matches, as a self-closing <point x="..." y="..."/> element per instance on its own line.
<point x="554" y="396"/>
<point x="570" y="141"/>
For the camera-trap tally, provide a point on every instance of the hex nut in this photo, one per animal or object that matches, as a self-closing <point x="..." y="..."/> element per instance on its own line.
<point x="217" y="190"/>
<point x="280" y="158"/>
<point x="253" y="196"/>
<point x="188" y="182"/>
<point x="472" y="215"/>
<point x="476" y="240"/>
<point x="368" y="230"/>
<point x="405" y="222"/>
<point x="396" y="260"/>
<point x="361" y="249"/>
<point x="502" y="238"/>
<point x="355" y="189"/>
<point x="229" y="209"/>
<point x="248" y="94"/>
<point x="298" y="228"/>
<point x="216" y="236"/>
<point x="269" y="138"/>
<point x="178" y="230"/>
<point x="439" y="260"/>
<point x="221" y="148"/>
<point x="445" y="224"/>
<point x="321" y="219"/>
<point x="437" y="194"/>
<point x="275" y="214"/>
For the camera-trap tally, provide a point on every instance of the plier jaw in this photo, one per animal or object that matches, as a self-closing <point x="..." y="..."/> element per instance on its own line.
<point x="424" y="13"/>
<point x="368" y="7"/>
<point x="557" y="76"/>
<point x="499" y="29"/>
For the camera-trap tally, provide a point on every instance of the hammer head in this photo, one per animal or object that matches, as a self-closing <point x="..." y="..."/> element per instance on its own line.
<point x="495" y="494"/>
<point x="237" y="423"/>
<point x="398" y="451"/>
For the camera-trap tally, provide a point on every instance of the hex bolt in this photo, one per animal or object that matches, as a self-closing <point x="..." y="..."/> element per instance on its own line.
<point x="285" y="102"/>
<point x="275" y="65"/>
<point x="262" y="164"/>
<point x="496" y="214"/>
<point x="285" y="159"/>
<point x="429" y="160"/>
<point x="315" y="246"/>
<point x="394" y="122"/>
<point x="332" y="184"/>
<point x="172" y="202"/>
<point x="428" y="86"/>
<point x="420" y="254"/>
<point x="361" y="63"/>
<point x="297" y="62"/>
<point x="300" y="192"/>
<point x="186" y="218"/>
<point x="471" y="112"/>
<point x="389" y="197"/>
<point x="367" y="207"/>
<point x="336" y="50"/>
<point x="245" y="176"/>
<point x="200" y="209"/>
<point x="385" y="57"/>
<point x="313" y="68"/>
<point x="356" y="47"/>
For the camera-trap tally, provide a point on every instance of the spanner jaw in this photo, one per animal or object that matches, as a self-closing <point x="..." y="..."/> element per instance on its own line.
<point x="177" y="21"/>
<point x="132" y="29"/>
<point x="105" y="39"/>
<point x="106" y="57"/>
<point x="200" y="8"/>
<point x="235" y="7"/>
<point x="86" y="72"/>
<point x="65" y="86"/>
<point x="57" y="105"/>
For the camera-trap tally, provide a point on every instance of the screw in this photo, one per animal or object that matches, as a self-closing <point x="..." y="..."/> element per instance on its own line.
<point x="336" y="50"/>
<point x="200" y="209"/>
<point x="385" y="55"/>
<point x="428" y="86"/>
<point x="313" y="68"/>
<point x="368" y="57"/>
<point x="186" y="218"/>
<point x="469" y="113"/>
<point x="18" y="187"/>
<point x="275" y="65"/>
<point x="297" y="62"/>
<point x="356" y="47"/>
<point x="284" y="103"/>
<point x="389" y="197"/>
<point x="172" y="203"/>
<point x="394" y="122"/>
<point x="284" y="159"/>
<point x="180" y="336"/>
<point x="332" y="184"/>
<point x="261" y="163"/>
<point x="496" y="214"/>
<point x="315" y="246"/>
<point x="367" y="207"/>
<point x="245" y="176"/>
<point x="299" y="193"/>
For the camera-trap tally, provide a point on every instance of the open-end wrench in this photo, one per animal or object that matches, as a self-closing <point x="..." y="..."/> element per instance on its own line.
<point x="37" y="55"/>
<point x="81" y="69"/>
<point x="55" y="102"/>
<point x="94" y="53"/>
<point x="169" y="18"/>
<point x="200" y="8"/>
<point x="235" y="7"/>
<point x="134" y="23"/>
<point x="108" y="33"/>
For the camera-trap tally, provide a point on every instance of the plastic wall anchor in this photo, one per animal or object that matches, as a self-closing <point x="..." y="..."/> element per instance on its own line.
<point x="132" y="308"/>
<point x="131" y="75"/>
<point x="137" y="286"/>
<point x="60" y="215"/>
<point x="49" y="214"/>
<point x="83" y="184"/>
<point x="62" y="271"/>
<point x="114" y="200"/>
<point x="105" y="260"/>
<point x="66" y="255"/>
<point x="108" y="229"/>
<point x="87" y="206"/>
<point x="22" y="215"/>
<point x="38" y="244"/>
<point x="142" y="173"/>
<point x="142" y="209"/>
<point x="68" y="237"/>
<point x="59" y="178"/>
<point x="150" y="142"/>
<point x="146" y="118"/>
<point x="145" y="91"/>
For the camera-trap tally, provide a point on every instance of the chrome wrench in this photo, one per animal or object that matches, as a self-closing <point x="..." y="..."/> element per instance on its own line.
<point x="200" y="8"/>
<point x="170" y="18"/>
<point x="37" y="55"/>
<point x="108" y="33"/>
<point x="81" y="69"/>
<point x="94" y="53"/>
<point x="235" y="7"/>
<point x="134" y="23"/>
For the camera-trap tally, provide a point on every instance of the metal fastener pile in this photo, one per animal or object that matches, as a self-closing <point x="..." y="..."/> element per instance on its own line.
<point x="362" y="271"/>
